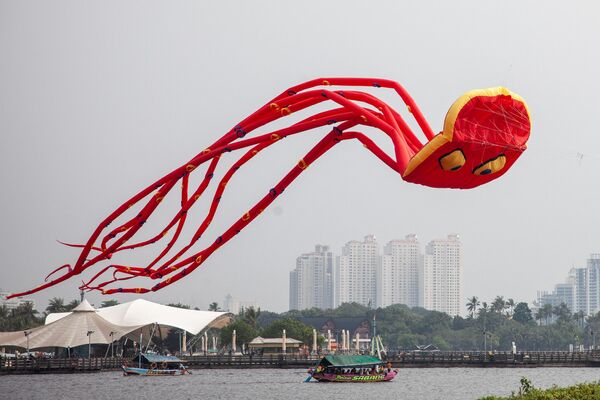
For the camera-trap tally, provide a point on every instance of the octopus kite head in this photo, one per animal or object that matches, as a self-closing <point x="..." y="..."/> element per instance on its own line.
<point x="485" y="132"/>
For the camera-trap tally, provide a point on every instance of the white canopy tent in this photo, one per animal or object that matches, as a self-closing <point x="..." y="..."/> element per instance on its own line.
<point x="82" y="326"/>
<point x="146" y="313"/>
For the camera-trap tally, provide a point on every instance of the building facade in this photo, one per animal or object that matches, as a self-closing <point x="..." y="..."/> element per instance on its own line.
<point x="401" y="275"/>
<point x="398" y="273"/>
<point x="580" y="291"/>
<point x="355" y="273"/>
<point x="311" y="282"/>
<point x="440" y="278"/>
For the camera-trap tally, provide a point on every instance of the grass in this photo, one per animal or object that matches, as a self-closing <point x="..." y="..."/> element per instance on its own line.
<point x="584" y="391"/>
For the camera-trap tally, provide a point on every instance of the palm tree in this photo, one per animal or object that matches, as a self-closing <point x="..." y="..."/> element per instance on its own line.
<point x="72" y="304"/>
<point x="510" y="305"/>
<point x="580" y="318"/>
<point x="214" y="306"/>
<point x="250" y="316"/>
<point x="109" y="303"/>
<point x="56" y="305"/>
<point x="562" y="312"/>
<point x="498" y="304"/>
<point x="472" y="305"/>
<point x="539" y="315"/>
<point x="546" y="312"/>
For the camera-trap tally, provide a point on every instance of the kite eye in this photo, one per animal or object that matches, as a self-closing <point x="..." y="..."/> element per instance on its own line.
<point x="452" y="161"/>
<point x="491" y="166"/>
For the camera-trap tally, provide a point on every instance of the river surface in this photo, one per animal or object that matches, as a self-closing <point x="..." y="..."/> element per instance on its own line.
<point x="278" y="384"/>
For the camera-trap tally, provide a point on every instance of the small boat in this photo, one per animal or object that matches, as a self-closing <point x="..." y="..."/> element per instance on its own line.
<point x="349" y="368"/>
<point x="154" y="365"/>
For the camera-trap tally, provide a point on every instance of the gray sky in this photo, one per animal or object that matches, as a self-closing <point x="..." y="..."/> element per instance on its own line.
<point x="99" y="99"/>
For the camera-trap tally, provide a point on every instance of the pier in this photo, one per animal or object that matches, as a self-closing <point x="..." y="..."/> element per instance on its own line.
<point x="437" y="359"/>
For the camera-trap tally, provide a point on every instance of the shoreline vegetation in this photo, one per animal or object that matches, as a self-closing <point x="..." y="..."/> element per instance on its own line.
<point x="582" y="391"/>
<point x="488" y="327"/>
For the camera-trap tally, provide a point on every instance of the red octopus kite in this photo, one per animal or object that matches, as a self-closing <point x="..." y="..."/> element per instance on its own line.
<point x="485" y="131"/>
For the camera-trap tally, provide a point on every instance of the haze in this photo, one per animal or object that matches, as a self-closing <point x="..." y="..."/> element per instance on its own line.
<point x="99" y="99"/>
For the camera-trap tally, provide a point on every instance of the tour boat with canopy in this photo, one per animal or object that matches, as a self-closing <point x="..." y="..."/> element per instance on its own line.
<point x="352" y="368"/>
<point x="153" y="364"/>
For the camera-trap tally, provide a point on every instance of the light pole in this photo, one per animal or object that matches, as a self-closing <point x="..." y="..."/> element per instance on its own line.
<point x="180" y="333"/>
<point x="89" y="335"/>
<point x="27" y="333"/>
<point x="112" y="344"/>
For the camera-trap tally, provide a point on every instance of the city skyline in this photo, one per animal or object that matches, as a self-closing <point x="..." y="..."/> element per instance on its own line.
<point x="402" y="274"/>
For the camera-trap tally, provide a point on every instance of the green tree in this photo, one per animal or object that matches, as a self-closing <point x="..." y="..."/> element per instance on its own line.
<point x="23" y="317"/>
<point x="522" y="313"/>
<point x="546" y="311"/>
<point x="498" y="305"/>
<point x="244" y="333"/>
<point x="109" y="303"/>
<point x="472" y="304"/>
<point x="71" y="305"/>
<point x="251" y="316"/>
<point x="562" y="313"/>
<point x="351" y="310"/>
<point x="56" y="305"/>
<point x="293" y="329"/>
<point x="214" y="306"/>
<point x="510" y="306"/>
<point x="180" y="305"/>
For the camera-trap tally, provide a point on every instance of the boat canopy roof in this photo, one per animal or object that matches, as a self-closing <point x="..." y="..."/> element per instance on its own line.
<point x="156" y="358"/>
<point x="349" y="361"/>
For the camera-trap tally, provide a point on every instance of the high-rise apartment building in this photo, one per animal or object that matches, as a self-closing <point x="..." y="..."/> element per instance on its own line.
<point x="398" y="273"/>
<point x="355" y="272"/>
<point x="311" y="282"/>
<point x="580" y="291"/>
<point x="440" y="278"/>
<point x="401" y="275"/>
<point x="593" y="284"/>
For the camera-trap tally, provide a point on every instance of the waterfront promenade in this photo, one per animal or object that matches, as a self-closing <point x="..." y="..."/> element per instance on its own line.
<point x="437" y="359"/>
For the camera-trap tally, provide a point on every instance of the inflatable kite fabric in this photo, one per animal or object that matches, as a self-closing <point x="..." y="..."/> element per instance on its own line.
<point x="485" y="131"/>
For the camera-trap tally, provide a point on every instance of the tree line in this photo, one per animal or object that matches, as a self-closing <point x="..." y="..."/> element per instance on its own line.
<point x="487" y="326"/>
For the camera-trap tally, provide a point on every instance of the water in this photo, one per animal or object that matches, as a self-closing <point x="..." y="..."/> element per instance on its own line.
<point x="276" y="384"/>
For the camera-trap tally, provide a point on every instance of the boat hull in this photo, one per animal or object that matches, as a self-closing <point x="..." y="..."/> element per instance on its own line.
<point x="131" y="371"/>
<point x="354" y="378"/>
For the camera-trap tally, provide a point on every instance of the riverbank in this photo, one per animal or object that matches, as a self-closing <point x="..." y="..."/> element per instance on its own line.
<point x="584" y="391"/>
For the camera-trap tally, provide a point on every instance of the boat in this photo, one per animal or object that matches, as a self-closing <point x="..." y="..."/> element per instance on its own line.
<point x="351" y="368"/>
<point x="146" y="364"/>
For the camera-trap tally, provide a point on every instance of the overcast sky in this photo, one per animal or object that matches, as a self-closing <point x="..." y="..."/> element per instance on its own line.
<point x="99" y="99"/>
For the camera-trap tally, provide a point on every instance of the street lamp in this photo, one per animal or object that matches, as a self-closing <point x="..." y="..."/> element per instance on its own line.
<point x="27" y="333"/>
<point x="111" y="345"/>
<point x="89" y="335"/>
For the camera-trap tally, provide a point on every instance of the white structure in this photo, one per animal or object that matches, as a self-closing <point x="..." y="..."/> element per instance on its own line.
<point x="311" y="283"/>
<point x="146" y="313"/>
<point x="83" y="325"/>
<point x="440" y="280"/>
<point x="354" y="276"/>
<point x="398" y="273"/>
<point x="13" y="303"/>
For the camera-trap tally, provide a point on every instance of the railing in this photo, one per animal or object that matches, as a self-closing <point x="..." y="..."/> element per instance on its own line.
<point x="466" y="358"/>
<point x="42" y="365"/>
<point x="400" y="359"/>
